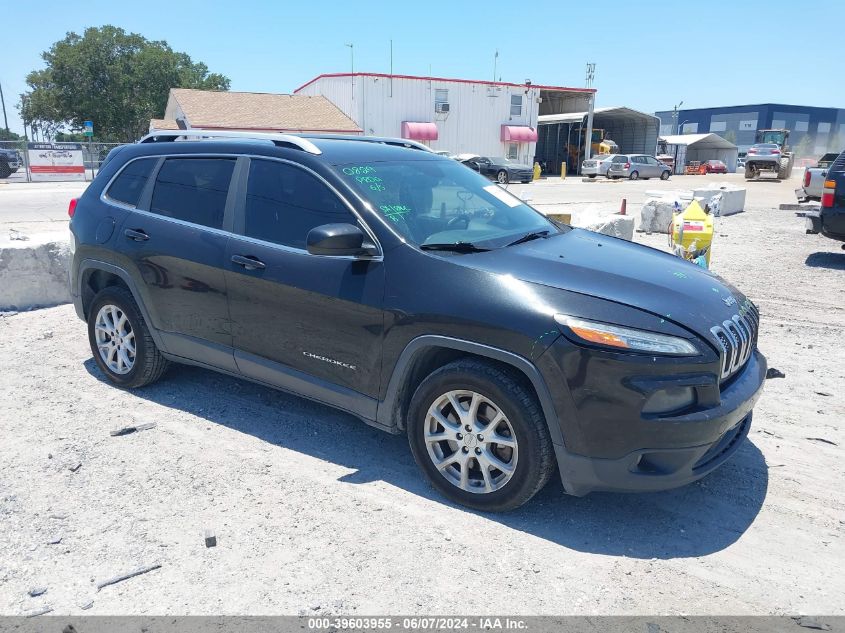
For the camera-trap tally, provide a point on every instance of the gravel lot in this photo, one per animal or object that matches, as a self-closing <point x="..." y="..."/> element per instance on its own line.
<point x="317" y="513"/>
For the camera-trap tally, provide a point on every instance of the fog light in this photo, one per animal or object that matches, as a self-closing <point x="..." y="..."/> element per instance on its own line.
<point x="669" y="399"/>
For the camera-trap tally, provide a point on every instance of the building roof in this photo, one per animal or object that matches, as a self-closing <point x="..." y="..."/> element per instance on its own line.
<point x="447" y="79"/>
<point x="575" y="117"/>
<point x="163" y="124"/>
<point x="701" y="141"/>
<point x="214" y="110"/>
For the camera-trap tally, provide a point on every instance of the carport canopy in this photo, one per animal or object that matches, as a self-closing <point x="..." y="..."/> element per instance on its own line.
<point x="700" y="147"/>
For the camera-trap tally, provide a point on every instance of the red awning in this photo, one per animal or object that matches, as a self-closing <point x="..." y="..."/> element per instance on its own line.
<point x="519" y="134"/>
<point x="419" y="131"/>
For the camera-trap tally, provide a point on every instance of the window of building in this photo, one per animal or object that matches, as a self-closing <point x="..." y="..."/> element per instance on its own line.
<point x="284" y="202"/>
<point x="516" y="105"/>
<point x="127" y="187"/>
<point x="802" y="126"/>
<point x="718" y="126"/>
<point x="441" y="95"/>
<point x="513" y="151"/>
<point x="193" y="189"/>
<point x="823" y="127"/>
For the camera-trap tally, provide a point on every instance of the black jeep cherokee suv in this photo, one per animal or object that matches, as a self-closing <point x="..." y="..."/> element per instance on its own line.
<point x="377" y="277"/>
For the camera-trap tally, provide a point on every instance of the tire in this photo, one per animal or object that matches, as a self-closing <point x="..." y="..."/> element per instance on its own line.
<point x="502" y="177"/>
<point x="634" y="175"/>
<point x="496" y="390"/>
<point x="664" y="175"/>
<point x="783" y="169"/>
<point x="5" y="170"/>
<point x="750" y="172"/>
<point x="591" y="175"/>
<point x="148" y="364"/>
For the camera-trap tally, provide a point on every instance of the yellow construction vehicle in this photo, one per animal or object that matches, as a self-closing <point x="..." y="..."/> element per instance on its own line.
<point x="599" y="144"/>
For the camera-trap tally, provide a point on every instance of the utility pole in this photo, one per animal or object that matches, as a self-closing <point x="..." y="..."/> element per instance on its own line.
<point x="675" y="116"/>
<point x="3" y="101"/>
<point x="495" y="60"/>
<point x="391" y="68"/>
<point x="352" y="78"/>
<point x="591" y="74"/>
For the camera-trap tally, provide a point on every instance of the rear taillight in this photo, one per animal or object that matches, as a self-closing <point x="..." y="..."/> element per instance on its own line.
<point x="775" y="151"/>
<point x="828" y="193"/>
<point x="627" y="165"/>
<point x="807" y="178"/>
<point x="752" y="151"/>
<point x="71" y="207"/>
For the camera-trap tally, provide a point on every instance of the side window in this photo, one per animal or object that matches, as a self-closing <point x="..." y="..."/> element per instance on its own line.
<point x="129" y="184"/>
<point x="193" y="190"/>
<point x="513" y="151"/>
<point x="620" y="159"/>
<point x="516" y="105"/>
<point x="284" y="202"/>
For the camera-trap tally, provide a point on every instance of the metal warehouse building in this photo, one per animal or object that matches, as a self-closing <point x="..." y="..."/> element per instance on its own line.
<point x="562" y="137"/>
<point x="488" y="118"/>
<point x="813" y="131"/>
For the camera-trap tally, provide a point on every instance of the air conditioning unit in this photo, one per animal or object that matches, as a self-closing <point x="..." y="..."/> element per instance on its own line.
<point x="441" y="108"/>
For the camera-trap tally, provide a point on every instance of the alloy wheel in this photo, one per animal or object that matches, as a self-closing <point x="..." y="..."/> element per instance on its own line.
<point x="470" y="441"/>
<point x="115" y="339"/>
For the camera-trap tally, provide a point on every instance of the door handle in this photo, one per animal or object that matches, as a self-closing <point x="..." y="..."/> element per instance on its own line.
<point x="136" y="235"/>
<point x="248" y="262"/>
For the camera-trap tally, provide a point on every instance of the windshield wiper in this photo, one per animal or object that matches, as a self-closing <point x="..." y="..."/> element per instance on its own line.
<point x="530" y="236"/>
<point x="458" y="247"/>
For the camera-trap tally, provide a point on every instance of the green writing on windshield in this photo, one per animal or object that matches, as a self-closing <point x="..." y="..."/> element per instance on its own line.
<point x="363" y="174"/>
<point x="394" y="212"/>
<point x="359" y="170"/>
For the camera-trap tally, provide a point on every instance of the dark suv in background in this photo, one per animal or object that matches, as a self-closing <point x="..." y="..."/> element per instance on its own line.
<point x="830" y="219"/>
<point x="379" y="278"/>
<point x="10" y="162"/>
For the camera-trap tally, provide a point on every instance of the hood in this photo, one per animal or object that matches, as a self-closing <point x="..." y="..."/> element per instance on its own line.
<point x="620" y="271"/>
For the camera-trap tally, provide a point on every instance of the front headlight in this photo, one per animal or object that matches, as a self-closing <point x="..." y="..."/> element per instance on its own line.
<point x="623" y="338"/>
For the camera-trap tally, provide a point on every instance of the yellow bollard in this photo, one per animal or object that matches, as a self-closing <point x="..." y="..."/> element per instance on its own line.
<point x="537" y="170"/>
<point x="563" y="170"/>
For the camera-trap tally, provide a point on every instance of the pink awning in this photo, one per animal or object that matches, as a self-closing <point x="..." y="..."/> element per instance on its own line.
<point x="419" y="131"/>
<point x="519" y="134"/>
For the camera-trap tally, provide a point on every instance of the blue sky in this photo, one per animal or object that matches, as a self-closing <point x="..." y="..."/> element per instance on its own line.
<point x="648" y="55"/>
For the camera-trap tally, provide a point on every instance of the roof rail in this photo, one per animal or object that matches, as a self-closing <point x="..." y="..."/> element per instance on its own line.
<point x="398" y="142"/>
<point x="280" y="140"/>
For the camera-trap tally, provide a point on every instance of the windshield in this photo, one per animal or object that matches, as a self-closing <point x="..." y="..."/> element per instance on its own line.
<point x="443" y="202"/>
<point x="501" y="159"/>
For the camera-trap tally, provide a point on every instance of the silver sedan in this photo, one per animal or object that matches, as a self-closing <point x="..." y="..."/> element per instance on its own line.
<point x="597" y="165"/>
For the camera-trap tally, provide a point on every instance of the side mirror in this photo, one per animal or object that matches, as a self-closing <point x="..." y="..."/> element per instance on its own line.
<point x="339" y="240"/>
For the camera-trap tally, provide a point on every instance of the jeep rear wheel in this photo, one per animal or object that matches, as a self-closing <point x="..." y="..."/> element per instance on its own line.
<point x="120" y="340"/>
<point x="479" y="435"/>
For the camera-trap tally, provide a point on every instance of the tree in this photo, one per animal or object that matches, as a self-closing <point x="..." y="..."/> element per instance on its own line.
<point x="117" y="79"/>
<point x="9" y="136"/>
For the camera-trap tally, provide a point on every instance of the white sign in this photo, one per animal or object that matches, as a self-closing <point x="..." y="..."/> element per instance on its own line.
<point x="56" y="161"/>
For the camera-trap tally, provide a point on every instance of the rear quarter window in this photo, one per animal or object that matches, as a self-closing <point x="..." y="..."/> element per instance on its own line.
<point x="131" y="180"/>
<point x="193" y="190"/>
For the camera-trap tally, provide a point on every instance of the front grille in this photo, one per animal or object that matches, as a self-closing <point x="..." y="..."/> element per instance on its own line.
<point x="738" y="339"/>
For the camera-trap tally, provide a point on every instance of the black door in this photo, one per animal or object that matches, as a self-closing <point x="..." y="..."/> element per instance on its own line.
<point x="179" y="248"/>
<point x="309" y="323"/>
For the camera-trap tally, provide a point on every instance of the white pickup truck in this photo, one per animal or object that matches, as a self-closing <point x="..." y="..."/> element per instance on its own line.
<point x="813" y="181"/>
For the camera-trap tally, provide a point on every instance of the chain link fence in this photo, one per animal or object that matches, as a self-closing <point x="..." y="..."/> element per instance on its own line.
<point x="15" y="160"/>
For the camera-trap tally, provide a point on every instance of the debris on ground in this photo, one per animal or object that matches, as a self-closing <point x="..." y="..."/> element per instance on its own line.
<point x="75" y="467"/>
<point x="135" y="572"/>
<point x="821" y="439"/>
<point x="37" y="591"/>
<point x="210" y="539"/>
<point x="771" y="372"/>
<point x="47" y="334"/>
<point x="37" y="612"/>
<point x="824" y="393"/>
<point x="14" y="234"/>
<point x="126" y="430"/>
<point x="86" y="605"/>
<point x="55" y="540"/>
<point x="811" y="623"/>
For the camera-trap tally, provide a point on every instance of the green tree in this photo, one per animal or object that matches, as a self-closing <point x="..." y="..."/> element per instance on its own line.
<point x="117" y="79"/>
<point x="9" y="136"/>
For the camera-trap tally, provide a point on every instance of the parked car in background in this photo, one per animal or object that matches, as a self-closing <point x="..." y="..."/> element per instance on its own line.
<point x="446" y="154"/>
<point x="10" y="162"/>
<point x="829" y="220"/>
<point x="502" y="170"/>
<point x="371" y="275"/>
<point x="636" y="166"/>
<point x="714" y="167"/>
<point x="597" y="165"/>
<point x="740" y="163"/>
<point x="812" y="184"/>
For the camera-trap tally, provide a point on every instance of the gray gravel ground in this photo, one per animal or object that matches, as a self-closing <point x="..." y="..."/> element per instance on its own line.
<point x="316" y="513"/>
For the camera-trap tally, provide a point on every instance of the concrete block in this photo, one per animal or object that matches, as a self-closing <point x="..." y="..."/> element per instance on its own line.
<point x="33" y="274"/>
<point x="615" y="226"/>
<point x="733" y="197"/>
<point x="656" y="214"/>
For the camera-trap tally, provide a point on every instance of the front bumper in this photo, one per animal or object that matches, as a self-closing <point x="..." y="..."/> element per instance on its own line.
<point x="661" y="459"/>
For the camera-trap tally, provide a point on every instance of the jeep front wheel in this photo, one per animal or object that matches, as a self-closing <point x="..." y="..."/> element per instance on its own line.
<point x="479" y="435"/>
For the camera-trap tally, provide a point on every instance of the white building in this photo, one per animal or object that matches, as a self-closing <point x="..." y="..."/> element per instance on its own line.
<point x="489" y="118"/>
